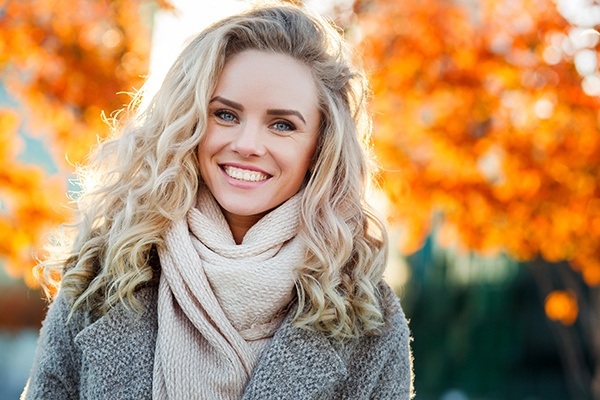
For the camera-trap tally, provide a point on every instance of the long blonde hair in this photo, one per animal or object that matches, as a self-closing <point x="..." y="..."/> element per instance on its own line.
<point x="140" y="181"/>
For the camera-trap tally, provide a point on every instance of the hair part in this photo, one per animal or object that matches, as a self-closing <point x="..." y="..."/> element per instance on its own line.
<point x="147" y="176"/>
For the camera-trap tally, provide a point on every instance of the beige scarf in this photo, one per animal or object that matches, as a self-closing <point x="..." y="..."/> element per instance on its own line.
<point x="220" y="303"/>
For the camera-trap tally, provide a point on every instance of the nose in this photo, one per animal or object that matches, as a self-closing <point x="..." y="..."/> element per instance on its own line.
<point x="249" y="141"/>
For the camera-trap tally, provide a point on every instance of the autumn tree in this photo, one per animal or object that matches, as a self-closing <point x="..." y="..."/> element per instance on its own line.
<point x="487" y="127"/>
<point x="62" y="64"/>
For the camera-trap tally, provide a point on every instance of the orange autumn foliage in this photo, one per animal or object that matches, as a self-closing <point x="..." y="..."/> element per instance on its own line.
<point x="561" y="306"/>
<point x="29" y="203"/>
<point x="63" y="62"/>
<point x="482" y="125"/>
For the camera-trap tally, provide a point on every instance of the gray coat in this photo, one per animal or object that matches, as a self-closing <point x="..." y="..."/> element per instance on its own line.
<point x="112" y="358"/>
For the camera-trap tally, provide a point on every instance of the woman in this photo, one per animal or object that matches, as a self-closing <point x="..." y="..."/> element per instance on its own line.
<point x="224" y="249"/>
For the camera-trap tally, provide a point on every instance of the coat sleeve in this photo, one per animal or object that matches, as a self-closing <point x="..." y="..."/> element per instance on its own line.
<point x="55" y="370"/>
<point x="396" y="378"/>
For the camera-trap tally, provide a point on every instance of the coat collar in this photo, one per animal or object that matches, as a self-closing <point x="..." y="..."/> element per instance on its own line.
<point x="118" y="350"/>
<point x="297" y="361"/>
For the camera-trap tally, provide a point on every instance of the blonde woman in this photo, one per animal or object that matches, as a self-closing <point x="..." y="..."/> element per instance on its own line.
<point x="225" y="249"/>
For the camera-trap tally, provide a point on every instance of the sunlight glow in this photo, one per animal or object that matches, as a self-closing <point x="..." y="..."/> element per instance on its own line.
<point x="173" y="29"/>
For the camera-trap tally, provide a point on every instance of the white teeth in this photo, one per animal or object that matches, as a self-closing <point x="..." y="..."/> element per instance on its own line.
<point x="244" y="174"/>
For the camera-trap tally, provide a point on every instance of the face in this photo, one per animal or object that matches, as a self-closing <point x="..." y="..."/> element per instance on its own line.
<point x="261" y="135"/>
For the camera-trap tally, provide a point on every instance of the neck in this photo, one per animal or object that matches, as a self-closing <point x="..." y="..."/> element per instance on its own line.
<point x="240" y="224"/>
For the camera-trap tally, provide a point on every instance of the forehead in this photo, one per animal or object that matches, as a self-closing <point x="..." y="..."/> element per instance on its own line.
<point x="264" y="77"/>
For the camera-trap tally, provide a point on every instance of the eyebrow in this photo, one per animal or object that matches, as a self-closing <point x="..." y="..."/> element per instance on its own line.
<point x="284" y="112"/>
<point x="229" y="103"/>
<point x="276" y="111"/>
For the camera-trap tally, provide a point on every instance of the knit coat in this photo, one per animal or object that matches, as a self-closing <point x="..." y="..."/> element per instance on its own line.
<point x="112" y="358"/>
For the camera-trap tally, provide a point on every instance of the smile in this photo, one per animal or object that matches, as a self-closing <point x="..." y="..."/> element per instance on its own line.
<point x="244" y="174"/>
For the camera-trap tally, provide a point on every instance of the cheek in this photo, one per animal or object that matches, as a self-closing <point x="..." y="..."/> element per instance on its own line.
<point x="203" y="155"/>
<point x="303" y="162"/>
<point x="207" y="147"/>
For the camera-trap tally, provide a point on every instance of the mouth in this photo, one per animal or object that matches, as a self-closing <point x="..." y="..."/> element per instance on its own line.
<point x="244" y="175"/>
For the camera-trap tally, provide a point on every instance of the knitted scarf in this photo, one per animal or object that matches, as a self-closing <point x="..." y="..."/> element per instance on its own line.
<point x="220" y="303"/>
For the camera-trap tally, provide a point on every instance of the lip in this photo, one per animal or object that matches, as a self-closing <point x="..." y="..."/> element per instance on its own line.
<point x="243" y="184"/>
<point x="248" y="167"/>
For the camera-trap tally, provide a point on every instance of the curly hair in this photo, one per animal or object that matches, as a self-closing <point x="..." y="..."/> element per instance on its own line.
<point x="147" y="176"/>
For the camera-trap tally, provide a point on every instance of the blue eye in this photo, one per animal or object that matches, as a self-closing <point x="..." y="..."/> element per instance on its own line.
<point x="283" y="126"/>
<point x="225" y="116"/>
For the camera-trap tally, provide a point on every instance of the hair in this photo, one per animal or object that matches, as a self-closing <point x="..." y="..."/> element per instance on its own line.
<point x="147" y="176"/>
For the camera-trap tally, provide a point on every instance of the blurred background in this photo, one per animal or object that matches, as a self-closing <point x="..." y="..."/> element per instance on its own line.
<point x="486" y="127"/>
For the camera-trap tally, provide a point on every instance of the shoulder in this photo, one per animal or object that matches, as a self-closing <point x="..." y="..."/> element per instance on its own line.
<point x="396" y="323"/>
<point x="395" y="331"/>
<point x="56" y="365"/>
<point x="305" y="363"/>
<point x="379" y="365"/>
<point x="61" y="321"/>
<point x="396" y="336"/>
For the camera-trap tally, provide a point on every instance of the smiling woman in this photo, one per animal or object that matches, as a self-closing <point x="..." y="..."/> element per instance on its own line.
<point x="261" y="136"/>
<point x="227" y="250"/>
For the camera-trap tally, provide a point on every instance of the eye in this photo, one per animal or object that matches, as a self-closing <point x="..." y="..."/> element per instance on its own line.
<point x="283" y="126"/>
<point x="225" y="116"/>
